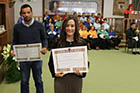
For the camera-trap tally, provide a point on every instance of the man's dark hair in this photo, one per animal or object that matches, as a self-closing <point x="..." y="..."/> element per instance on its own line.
<point x="132" y="23"/>
<point x="105" y="19"/>
<point x="25" y="6"/>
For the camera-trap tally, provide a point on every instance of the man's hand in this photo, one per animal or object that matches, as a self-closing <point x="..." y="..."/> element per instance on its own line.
<point x="44" y="51"/>
<point x="12" y="53"/>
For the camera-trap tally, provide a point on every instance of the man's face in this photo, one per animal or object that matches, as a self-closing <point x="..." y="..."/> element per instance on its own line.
<point x="133" y="26"/>
<point x="102" y="27"/>
<point x="93" y="15"/>
<point x="27" y="14"/>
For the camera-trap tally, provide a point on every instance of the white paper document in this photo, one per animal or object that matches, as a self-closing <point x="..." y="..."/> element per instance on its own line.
<point x="27" y="52"/>
<point x="68" y="60"/>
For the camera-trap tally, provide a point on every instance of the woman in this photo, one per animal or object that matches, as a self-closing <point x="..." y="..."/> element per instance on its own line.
<point x="69" y="37"/>
<point x="84" y="35"/>
<point x="93" y="37"/>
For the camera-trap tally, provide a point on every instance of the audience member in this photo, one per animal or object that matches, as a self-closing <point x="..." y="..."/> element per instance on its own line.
<point x="46" y="18"/>
<point x="133" y="39"/>
<point x="97" y="25"/>
<point x="56" y="17"/>
<point x="104" y="38"/>
<point x="114" y="37"/>
<point x="106" y="25"/>
<point x="88" y="23"/>
<point x="83" y="18"/>
<point x="65" y="16"/>
<point x="58" y="23"/>
<point x="75" y="14"/>
<point x="93" y="37"/>
<point x="84" y="35"/>
<point x="52" y="35"/>
<point x="100" y="18"/>
<point x="92" y="18"/>
<point x="48" y="23"/>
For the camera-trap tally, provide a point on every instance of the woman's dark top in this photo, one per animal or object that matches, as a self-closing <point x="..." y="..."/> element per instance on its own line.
<point x="67" y="44"/>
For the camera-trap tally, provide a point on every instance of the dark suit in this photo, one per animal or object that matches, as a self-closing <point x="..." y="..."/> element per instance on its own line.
<point x="132" y="43"/>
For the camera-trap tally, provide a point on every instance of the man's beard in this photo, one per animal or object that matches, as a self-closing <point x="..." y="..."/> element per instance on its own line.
<point x="27" y="19"/>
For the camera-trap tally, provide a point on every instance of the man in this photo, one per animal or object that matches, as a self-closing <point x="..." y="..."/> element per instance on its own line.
<point x="132" y="37"/>
<point x="30" y="31"/>
<point x="92" y="18"/>
<point x="104" y="40"/>
<point x="83" y="18"/>
<point x="106" y="25"/>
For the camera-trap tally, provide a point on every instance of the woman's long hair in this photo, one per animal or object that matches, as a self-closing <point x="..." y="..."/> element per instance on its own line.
<point x="62" y="39"/>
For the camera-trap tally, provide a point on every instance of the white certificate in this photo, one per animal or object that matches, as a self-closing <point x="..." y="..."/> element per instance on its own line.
<point x="70" y="59"/>
<point x="27" y="52"/>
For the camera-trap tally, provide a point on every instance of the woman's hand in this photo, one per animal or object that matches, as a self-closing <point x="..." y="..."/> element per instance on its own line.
<point x="61" y="74"/>
<point x="77" y="72"/>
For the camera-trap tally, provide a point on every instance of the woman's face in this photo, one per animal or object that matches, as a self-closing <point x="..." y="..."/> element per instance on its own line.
<point x="84" y="27"/>
<point x="70" y="28"/>
<point x="92" y="27"/>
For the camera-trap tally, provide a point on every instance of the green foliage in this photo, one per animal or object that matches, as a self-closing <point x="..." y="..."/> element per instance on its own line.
<point x="9" y="66"/>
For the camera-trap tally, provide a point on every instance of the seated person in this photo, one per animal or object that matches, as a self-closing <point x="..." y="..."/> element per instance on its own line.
<point x="114" y="38"/>
<point x="48" y="23"/>
<point x="52" y="35"/>
<point x="58" y="32"/>
<point x="65" y="16"/>
<point x="58" y="23"/>
<point x="88" y="23"/>
<point x="84" y="34"/>
<point x="75" y="14"/>
<point x="92" y="18"/>
<point x="46" y="18"/>
<point x="106" y="25"/>
<point x="83" y="18"/>
<point x="56" y="17"/>
<point x="97" y="25"/>
<point x="100" y="18"/>
<point x="104" y="40"/>
<point x="133" y="39"/>
<point x="93" y="38"/>
<point x="79" y="22"/>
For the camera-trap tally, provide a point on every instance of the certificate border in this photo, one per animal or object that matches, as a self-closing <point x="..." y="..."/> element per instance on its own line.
<point x="68" y="50"/>
<point x="38" y="45"/>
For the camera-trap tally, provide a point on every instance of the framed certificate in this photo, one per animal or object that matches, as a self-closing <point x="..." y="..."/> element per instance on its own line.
<point x="68" y="60"/>
<point x="27" y="52"/>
